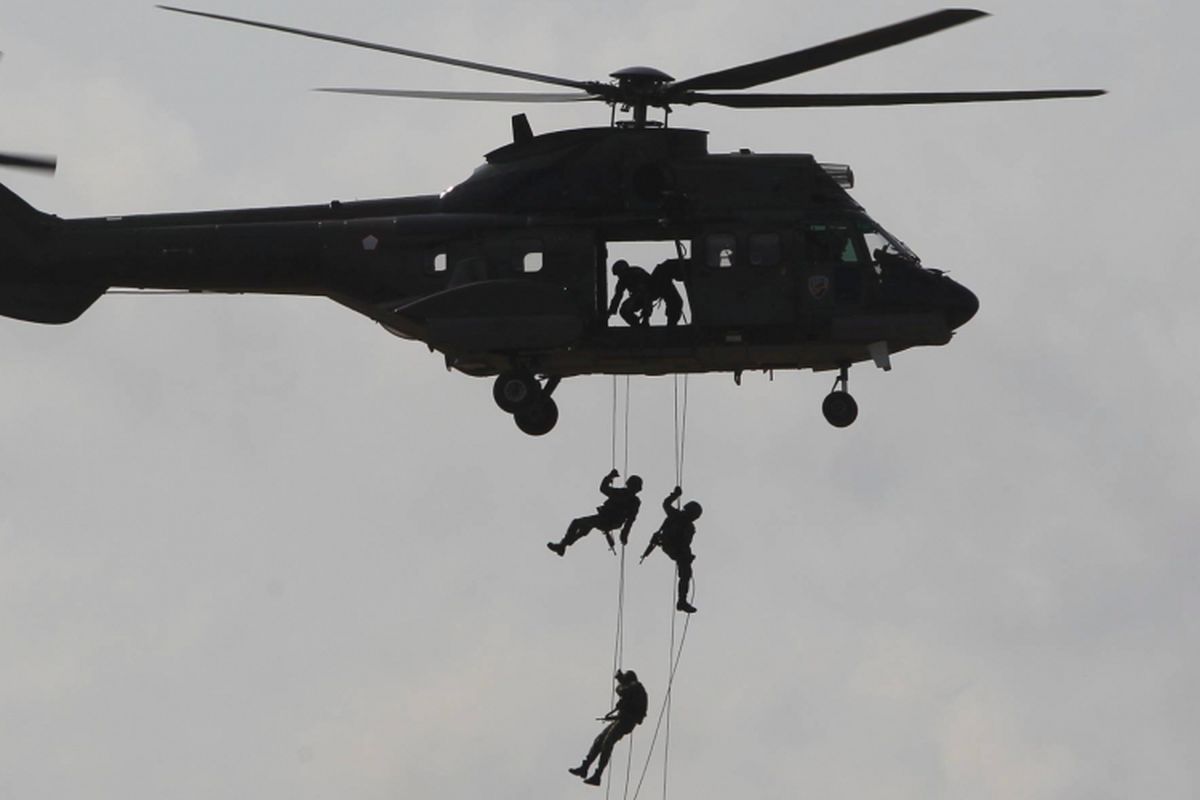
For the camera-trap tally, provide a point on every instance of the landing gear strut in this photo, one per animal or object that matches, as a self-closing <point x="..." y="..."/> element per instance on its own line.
<point x="839" y="407"/>
<point x="518" y="392"/>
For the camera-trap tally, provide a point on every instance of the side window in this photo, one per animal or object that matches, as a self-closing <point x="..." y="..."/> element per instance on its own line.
<point x="531" y="255"/>
<point x="439" y="263"/>
<point x="719" y="250"/>
<point x="532" y="262"/>
<point x="764" y="249"/>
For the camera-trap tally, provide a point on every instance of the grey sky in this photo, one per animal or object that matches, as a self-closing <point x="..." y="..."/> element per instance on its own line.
<point x="258" y="548"/>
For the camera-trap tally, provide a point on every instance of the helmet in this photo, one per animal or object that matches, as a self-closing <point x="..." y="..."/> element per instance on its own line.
<point x="634" y="482"/>
<point x="619" y="266"/>
<point x="628" y="676"/>
<point x="693" y="509"/>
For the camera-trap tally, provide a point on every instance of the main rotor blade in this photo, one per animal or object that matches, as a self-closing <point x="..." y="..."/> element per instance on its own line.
<point x="878" y="99"/>
<point x="495" y="97"/>
<point x="772" y="69"/>
<point x="44" y="163"/>
<point x="454" y="62"/>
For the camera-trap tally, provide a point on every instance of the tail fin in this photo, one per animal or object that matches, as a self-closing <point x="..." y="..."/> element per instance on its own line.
<point x="14" y="208"/>
<point x="31" y="287"/>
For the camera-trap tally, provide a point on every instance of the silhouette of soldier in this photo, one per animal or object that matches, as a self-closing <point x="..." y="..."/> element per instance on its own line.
<point x="635" y="282"/>
<point x="619" y="510"/>
<point x="674" y="536"/>
<point x="626" y="715"/>
<point x="662" y="287"/>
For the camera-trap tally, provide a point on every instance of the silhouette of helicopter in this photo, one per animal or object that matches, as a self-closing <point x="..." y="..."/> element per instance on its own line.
<point x="506" y="273"/>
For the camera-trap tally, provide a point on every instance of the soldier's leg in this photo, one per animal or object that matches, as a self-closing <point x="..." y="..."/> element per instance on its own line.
<point x="575" y="531"/>
<point x="684" y="565"/>
<point x="674" y="305"/>
<point x="612" y="734"/>
<point x="578" y="529"/>
<point x="598" y="743"/>
<point x="629" y="312"/>
<point x="685" y="574"/>
<point x="594" y="751"/>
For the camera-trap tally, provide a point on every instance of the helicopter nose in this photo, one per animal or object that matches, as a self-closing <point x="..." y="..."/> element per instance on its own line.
<point x="961" y="305"/>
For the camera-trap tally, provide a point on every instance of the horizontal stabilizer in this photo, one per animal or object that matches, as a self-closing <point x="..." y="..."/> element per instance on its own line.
<point x="45" y="303"/>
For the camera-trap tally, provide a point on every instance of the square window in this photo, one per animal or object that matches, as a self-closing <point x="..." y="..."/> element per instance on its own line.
<point x="764" y="249"/>
<point x="530" y="256"/>
<point x="719" y="251"/>
<point x="532" y="262"/>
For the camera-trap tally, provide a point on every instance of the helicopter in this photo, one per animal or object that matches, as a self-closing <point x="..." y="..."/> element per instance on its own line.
<point x="506" y="273"/>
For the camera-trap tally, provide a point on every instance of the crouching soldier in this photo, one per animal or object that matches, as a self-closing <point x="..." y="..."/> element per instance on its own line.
<point x="675" y="539"/>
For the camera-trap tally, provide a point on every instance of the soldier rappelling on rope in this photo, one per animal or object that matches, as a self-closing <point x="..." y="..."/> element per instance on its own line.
<point x="626" y="715"/>
<point x="674" y="536"/>
<point x="619" y="510"/>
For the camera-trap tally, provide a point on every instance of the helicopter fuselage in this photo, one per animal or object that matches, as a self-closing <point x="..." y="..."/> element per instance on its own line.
<point x="507" y="272"/>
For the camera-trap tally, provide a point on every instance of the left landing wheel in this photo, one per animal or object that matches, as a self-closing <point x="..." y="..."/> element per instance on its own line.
<point x="515" y="391"/>
<point x="539" y="418"/>
<point x="839" y="408"/>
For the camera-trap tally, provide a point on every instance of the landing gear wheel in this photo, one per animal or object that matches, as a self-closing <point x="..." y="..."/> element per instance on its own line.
<point x="515" y="391"/>
<point x="839" y="408"/>
<point x="539" y="418"/>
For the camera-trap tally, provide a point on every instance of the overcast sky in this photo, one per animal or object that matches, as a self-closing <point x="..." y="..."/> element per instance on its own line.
<point x="258" y="548"/>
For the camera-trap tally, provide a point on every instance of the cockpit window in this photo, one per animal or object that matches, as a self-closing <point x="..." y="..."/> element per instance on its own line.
<point x="855" y="241"/>
<point x="879" y="243"/>
<point x="824" y="243"/>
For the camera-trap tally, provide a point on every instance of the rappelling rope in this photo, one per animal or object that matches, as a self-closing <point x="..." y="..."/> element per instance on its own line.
<point x="618" y="660"/>
<point x="670" y="670"/>
<point x="619" y="638"/>
<point x="614" y="424"/>
<point x="676" y="655"/>
<point x="672" y="658"/>
<point x="626" y="426"/>
<point x="680" y="430"/>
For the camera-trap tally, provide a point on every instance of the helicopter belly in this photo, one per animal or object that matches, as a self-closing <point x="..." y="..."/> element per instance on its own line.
<point x="507" y="332"/>
<point x="913" y="329"/>
<point x="496" y="315"/>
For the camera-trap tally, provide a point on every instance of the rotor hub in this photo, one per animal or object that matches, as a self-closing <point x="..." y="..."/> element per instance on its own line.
<point x="641" y="76"/>
<point x="638" y="88"/>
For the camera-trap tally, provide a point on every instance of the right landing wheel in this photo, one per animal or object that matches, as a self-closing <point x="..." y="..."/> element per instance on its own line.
<point x="839" y="409"/>
<point x="516" y="390"/>
<point x="539" y="418"/>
